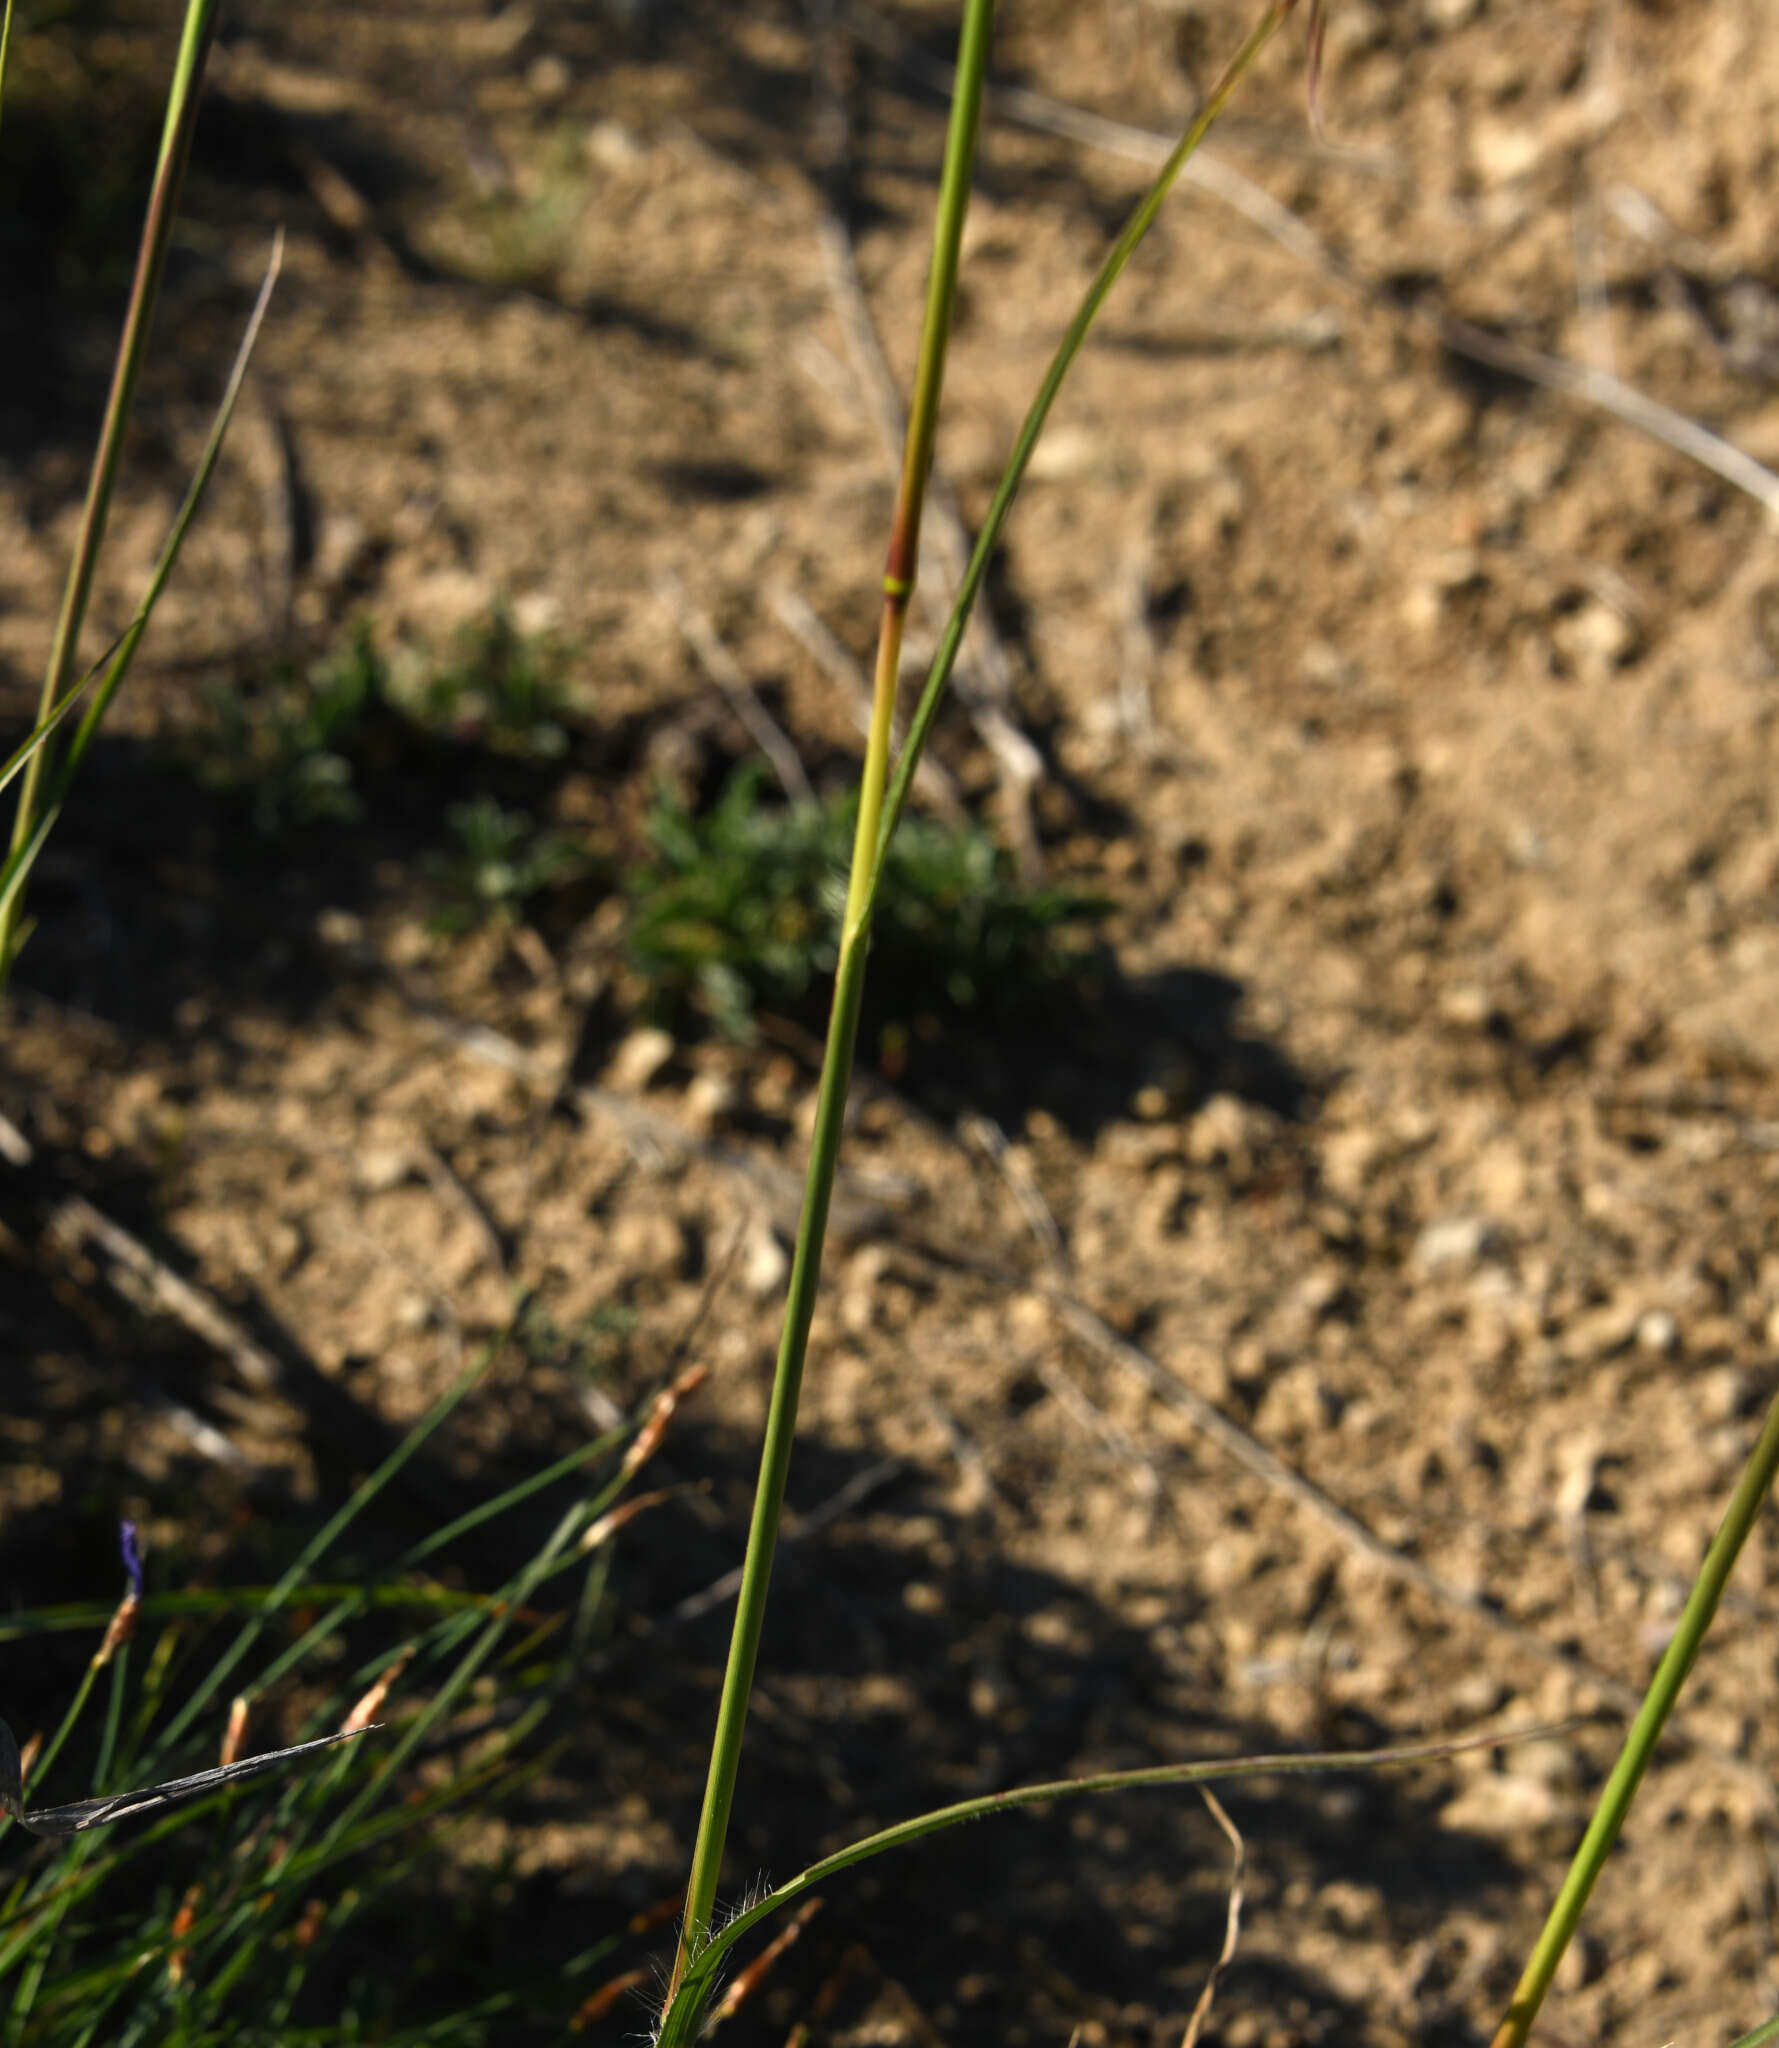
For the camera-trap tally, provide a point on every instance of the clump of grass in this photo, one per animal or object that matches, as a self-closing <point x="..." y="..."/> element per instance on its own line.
<point x="291" y="1910"/>
<point x="741" y="908"/>
<point x="588" y="1348"/>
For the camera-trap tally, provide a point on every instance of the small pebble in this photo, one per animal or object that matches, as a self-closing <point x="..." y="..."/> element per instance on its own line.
<point x="1457" y="1241"/>
<point x="709" y="1099"/>
<point x="764" y="1261"/>
<point x="640" y="1058"/>
<point x="1657" y="1332"/>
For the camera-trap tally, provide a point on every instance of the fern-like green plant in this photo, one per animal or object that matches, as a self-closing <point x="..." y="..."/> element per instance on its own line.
<point x="741" y="908"/>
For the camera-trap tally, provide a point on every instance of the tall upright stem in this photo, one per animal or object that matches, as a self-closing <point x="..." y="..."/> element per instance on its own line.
<point x="898" y="587"/>
<point x="151" y="262"/>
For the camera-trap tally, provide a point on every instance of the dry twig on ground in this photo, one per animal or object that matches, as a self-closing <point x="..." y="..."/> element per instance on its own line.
<point x="744" y="700"/>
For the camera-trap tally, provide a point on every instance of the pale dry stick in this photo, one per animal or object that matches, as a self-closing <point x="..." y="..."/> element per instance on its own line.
<point x="445" y="1182"/>
<point x="725" y="671"/>
<point x="1639" y="215"/>
<point x="1136" y="642"/>
<point x="1036" y="109"/>
<point x="329" y="1408"/>
<point x="860" y="1202"/>
<point x="1232" y="1923"/>
<point x="829" y="374"/>
<point x="1088" y="1416"/>
<point x="75" y="1222"/>
<point x="807" y="627"/>
<point x="203" y="1437"/>
<point x="858" y="1489"/>
<point x="966" y="1454"/>
<point x="1592" y="291"/>
<point x="985" y="689"/>
<point x="1210" y="1421"/>
<point x="1584" y="382"/>
<point x="991" y="1141"/>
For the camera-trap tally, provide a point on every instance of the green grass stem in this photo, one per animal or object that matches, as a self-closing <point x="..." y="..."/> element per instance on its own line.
<point x="1762" y="2035"/>
<point x="1658" y="1703"/>
<point x="20" y="757"/>
<point x="359" y="1500"/>
<point x="157" y="234"/>
<point x="5" y="49"/>
<point x="781" y="1421"/>
<point x="881" y="803"/>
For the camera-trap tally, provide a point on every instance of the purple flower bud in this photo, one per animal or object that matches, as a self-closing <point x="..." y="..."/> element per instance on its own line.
<point x="126" y="1537"/>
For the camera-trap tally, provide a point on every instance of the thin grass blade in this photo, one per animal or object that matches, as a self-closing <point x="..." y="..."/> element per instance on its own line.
<point x="319" y="1544"/>
<point x="21" y="754"/>
<point x="27" y="846"/>
<point x="82" y="1814"/>
<point x="904" y="1832"/>
<point x="1141" y="220"/>
<point x="1761" y="2036"/>
<point x="5" y="50"/>
<point x="157" y="234"/>
<point x="1659" y="1701"/>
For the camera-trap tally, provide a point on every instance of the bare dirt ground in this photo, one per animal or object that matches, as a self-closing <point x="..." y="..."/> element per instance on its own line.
<point x="1417" y="718"/>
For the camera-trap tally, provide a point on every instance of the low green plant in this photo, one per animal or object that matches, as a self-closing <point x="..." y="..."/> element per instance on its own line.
<point x="522" y="231"/>
<point x="492" y="684"/>
<point x="589" y="1347"/>
<point x="742" y="907"/>
<point x="288" y="750"/>
<point x="498" y="864"/>
<point x="300" y="747"/>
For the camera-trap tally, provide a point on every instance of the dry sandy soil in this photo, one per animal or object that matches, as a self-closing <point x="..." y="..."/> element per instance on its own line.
<point x="1418" y="718"/>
